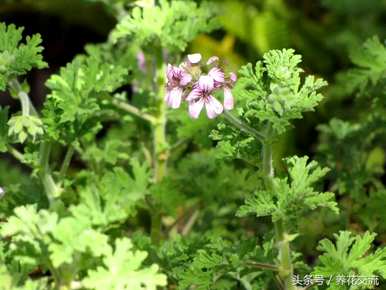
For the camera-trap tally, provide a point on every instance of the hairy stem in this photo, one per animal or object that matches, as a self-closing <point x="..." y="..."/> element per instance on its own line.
<point x="51" y="189"/>
<point x="26" y="104"/>
<point x="285" y="268"/>
<point x="160" y="152"/>
<point x="133" y="110"/>
<point x="243" y="126"/>
<point x="265" y="266"/>
<point x="66" y="161"/>
<point x="16" y="153"/>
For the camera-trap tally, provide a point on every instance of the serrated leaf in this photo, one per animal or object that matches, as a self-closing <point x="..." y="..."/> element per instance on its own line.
<point x="290" y="197"/>
<point x="351" y="255"/>
<point x="18" y="58"/>
<point x="172" y="24"/>
<point x="123" y="269"/>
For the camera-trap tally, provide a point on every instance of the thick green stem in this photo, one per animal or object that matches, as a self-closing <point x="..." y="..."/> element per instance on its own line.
<point x="160" y="153"/>
<point x="133" y="110"/>
<point x="242" y="126"/>
<point x="285" y="268"/>
<point x="16" y="153"/>
<point x="66" y="161"/>
<point x="50" y="187"/>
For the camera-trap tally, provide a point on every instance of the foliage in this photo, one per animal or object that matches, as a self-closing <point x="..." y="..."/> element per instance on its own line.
<point x="350" y="256"/>
<point x="122" y="270"/>
<point x="171" y="25"/>
<point x="291" y="196"/>
<point x="103" y="186"/>
<point x="18" y="58"/>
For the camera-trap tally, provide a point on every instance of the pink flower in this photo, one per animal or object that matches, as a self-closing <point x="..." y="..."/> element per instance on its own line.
<point x="228" y="96"/>
<point x="198" y="81"/>
<point x="200" y="96"/>
<point x="178" y="79"/>
<point x="218" y="76"/>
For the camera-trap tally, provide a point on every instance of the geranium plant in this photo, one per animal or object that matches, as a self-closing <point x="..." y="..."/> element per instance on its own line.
<point x="155" y="167"/>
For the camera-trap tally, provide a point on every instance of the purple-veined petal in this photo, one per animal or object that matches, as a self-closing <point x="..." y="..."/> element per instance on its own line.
<point x="228" y="99"/>
<point x="196" y="93"/>
<point x="195" y="108"/>
<point x="213" y="59"/>
<point x="194" y="58"/>
<point x="206" y="83"/>
<point x="213" y="107"/>
<point x="185" y="78"/>
<point x="217" y="74"/>
<point x="174" y="99"/>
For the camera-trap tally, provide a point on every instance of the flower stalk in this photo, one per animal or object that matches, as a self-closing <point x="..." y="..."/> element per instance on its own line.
<point x="160" y="152"/>
<point x="50" y="187"/>
<point x="242" y="126"/>
<point x="133" y="110"/>
<point x="283" y="239"/>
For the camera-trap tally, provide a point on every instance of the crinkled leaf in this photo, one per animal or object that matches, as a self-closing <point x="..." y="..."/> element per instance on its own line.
<point x="123" y="269"/>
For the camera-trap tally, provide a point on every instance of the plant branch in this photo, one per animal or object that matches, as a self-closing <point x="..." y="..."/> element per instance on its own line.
<point x="66" y="161"/>
<point x="285" y="268"/>
<point x="243" y="126"/>
<point x="160" y="151"/>
<point x="16" y="153"/>
<point x="50" y="187"/>
<point x="26" y="104"/>
<point x="263" y="266"/>
<point x="189" y="225"/>
<point x="134" y="111"/>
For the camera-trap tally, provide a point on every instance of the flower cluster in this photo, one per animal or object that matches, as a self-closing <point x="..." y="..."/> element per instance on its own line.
<point x="196" y="82"/>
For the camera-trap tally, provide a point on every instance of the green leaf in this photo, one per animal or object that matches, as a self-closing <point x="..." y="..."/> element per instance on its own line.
<point x="370" y="61"/>
<point x="292" y="196"/>
<point x="273" y="93"/>
<point x="26" y="126"/>
<point x="18" y="58"/>
<point x="351" y="255"/>
<point x="172" y="24"/>
<point x="71" y="108"/>
<point x="3" y="129"/>
<point x="117" y="197"/>
<point x="72" y="236"/>
<point x="123" y="269"/>
<point x="29" y="231"/>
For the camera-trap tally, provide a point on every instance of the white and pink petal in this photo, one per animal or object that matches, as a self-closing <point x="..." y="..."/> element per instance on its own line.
<point x="195" y="108"/>
<point x="233" y="78"/>
<point x="217" y="74"/>
<point x="206" y="83"/>
<point x="174" y="98"/>
<point x="186" y="78"/>
<point x="194" y="58"/>
<point x="228" y="99"/>
<point x="213" y="107"/>
<point x="196" y="93"/>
